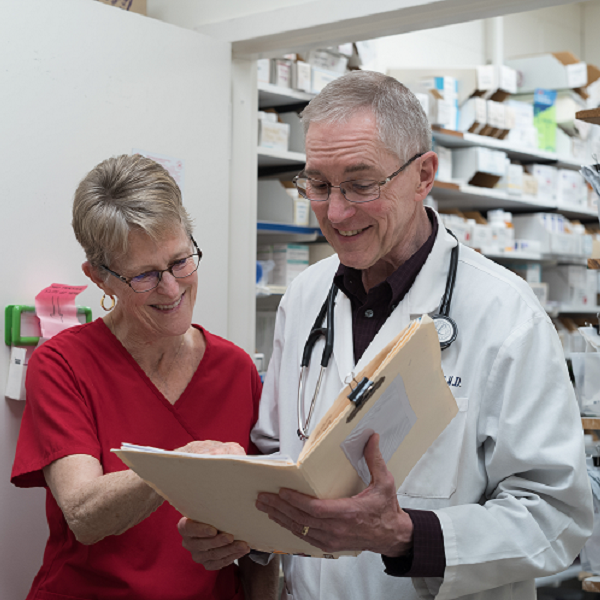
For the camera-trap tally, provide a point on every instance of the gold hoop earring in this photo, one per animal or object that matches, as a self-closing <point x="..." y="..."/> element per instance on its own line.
<point x="112" y="298"/>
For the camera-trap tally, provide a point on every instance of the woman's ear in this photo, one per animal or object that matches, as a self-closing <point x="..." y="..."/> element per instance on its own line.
<point x="93" y="273"/>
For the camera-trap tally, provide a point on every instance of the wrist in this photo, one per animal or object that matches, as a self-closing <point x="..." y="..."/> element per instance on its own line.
<point x="403" y="542"/>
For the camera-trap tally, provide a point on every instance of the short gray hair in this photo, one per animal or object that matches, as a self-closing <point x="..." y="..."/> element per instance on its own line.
<point x="121" y="194"/>
<point x="401" y="122"/>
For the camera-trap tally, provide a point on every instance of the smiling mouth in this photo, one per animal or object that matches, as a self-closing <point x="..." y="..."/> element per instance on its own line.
<point x="167" y="307"/>
<point x="350" y="232"/>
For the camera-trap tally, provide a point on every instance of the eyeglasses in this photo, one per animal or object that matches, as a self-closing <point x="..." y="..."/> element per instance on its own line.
<point x="145" y="282"/>
<point x="357" y="190"/>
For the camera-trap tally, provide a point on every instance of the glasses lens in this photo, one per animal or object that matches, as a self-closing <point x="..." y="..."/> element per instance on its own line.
<point x="361" y="190"/>
<point x="186" y="266"/>
<point x="145" y="282"/>
<point x="312" y="189"/>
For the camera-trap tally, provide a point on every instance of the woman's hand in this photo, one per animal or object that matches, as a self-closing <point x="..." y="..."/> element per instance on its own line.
<point x="213" y="550"/>
<point x="212" y="447"/>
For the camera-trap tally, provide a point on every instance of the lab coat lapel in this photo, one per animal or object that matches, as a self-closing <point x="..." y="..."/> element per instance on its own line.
<point x="343" y="344"/>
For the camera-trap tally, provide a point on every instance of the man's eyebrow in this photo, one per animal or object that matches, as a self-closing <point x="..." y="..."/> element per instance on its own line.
<point x="350" y="169"/>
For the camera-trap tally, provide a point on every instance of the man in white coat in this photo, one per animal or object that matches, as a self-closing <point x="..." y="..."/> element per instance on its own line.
<point x="502" y="496"/>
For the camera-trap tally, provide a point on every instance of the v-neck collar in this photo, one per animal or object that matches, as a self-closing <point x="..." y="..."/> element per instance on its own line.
<point x="177" y="408"/>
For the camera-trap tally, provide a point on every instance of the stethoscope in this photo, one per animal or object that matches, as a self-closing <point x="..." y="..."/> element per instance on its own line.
<point x="446" y="328"/>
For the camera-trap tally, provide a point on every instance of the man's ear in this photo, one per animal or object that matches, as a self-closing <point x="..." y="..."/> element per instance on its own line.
<point x="93" y="273"/>
<point x="429" y="167"/>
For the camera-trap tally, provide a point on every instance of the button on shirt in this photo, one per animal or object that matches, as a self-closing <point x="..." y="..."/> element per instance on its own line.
<point x="369" y="312"/>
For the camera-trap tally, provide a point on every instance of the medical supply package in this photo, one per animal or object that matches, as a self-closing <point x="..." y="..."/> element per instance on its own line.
<point x="401" y="395"/>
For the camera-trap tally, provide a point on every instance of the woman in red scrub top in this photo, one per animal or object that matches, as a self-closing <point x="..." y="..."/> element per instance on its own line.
<point x="143" y="374"/>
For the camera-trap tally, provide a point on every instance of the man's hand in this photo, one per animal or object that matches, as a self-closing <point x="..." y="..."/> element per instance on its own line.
<point x="371" y="520"/>
<point x="213" y="550"/>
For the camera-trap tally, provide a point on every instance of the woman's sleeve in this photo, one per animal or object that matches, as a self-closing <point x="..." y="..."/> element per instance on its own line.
<point x="57" y="420"/>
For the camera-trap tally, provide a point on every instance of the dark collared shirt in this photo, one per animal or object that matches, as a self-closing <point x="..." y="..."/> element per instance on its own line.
<point x="369" y="312"/>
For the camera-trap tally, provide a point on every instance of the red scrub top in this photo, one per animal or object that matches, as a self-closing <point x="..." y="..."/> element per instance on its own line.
<point x="86" y="395"/>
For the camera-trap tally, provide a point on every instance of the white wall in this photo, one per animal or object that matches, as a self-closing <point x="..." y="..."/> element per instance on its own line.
<point x="81" y="81"/>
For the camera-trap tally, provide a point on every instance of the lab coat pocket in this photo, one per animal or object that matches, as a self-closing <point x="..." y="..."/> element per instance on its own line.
<point x="436" y="473"/>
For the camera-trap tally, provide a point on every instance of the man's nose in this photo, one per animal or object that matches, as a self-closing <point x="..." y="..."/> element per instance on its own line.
<point x="339" y="208"/>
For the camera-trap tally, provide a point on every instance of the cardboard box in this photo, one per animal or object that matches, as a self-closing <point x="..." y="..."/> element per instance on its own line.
<point x="555" y="71"/>
<point x="524" y="132"/>
<point x="531" y="272"/>
<point x="274" y="204"/>
<point x="136" y="6"/>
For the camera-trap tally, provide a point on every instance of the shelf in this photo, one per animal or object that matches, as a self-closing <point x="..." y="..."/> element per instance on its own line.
<point x="574" y="309"/>
<point x="457" y="139"/>
<point x="272" y="96"/>
<point x="279" y="158"/>
<point x="590" y="423"/>
<point x="266" y="227"/>
<point x="470" y="197"/>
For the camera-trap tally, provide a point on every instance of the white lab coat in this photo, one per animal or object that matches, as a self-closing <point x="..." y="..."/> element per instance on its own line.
<point x="506" y="478"/>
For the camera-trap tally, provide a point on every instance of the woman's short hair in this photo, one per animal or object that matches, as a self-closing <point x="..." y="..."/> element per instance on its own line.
<point x="122" y="194"/>
<point x="401" y="121"/>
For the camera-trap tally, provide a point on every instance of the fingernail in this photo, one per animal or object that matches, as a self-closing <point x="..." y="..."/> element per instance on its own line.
<point x="261" y="506"/>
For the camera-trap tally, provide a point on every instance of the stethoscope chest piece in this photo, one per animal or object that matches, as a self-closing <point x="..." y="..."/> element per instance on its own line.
<point x="446" y="328"/>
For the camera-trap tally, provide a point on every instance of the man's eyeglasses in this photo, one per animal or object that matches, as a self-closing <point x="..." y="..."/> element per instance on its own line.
<point x="357" y="190"/>
<point x="145" y="282"/>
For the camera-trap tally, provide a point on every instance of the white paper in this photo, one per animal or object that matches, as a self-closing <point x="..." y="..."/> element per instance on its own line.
<point x="392" y="417"/>
<point x="256" y="457"/>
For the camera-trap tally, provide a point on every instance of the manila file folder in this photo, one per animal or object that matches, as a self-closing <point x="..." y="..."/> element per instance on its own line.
<point x="401" y="394"/>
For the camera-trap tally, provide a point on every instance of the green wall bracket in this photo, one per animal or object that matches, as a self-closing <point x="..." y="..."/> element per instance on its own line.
<point x="12" y="324"/>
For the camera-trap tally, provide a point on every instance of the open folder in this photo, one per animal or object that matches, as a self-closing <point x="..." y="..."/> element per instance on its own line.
<point x="401" y="394"/>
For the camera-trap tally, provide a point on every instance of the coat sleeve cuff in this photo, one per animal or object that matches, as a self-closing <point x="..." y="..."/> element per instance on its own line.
<point x="427" y="557"/>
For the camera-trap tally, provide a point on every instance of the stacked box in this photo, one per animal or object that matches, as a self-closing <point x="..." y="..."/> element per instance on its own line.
<point x="572" y="284"/>
<point x="290" y="260"/>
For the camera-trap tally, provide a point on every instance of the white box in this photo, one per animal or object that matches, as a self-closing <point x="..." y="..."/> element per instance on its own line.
<point x="541" y="292"/>
<point x="570" y="188"/>
<point x="303" y="76"/>
<point x="263" y="70"/>
<point x="473" y="115"/>
<point x="296" y="138"/>
<point x="531" y="272"/>
<point x="290" y="260"/>
<point x="446" y="86"/>
<point x="571" y="284"/>
<point x="546" y="177"/>
<point x="273" y="135"/>
<point x="466" y="162"/>
<point x="556" y="71"/>
<point x="482" y="238"/>
<point x="321" y="77"/>
<point x="281" y="72"/>
<point x="274" y="204"/>
<point x="328" y="60"/>
<point x="444" y="163"/>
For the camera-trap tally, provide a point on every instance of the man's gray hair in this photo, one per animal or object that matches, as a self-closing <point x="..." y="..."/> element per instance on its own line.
<point x="122" y="194"/>
<point x="401" y="121"/>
